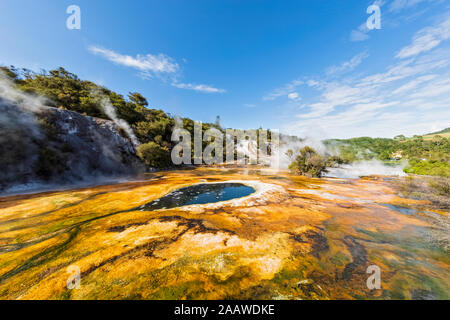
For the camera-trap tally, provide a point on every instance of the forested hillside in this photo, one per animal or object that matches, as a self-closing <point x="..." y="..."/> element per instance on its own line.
<point x="426" y="157"/>
<point x="64" y="90"/>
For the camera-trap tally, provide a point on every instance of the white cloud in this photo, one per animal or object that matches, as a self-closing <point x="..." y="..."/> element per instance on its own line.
<point x="407" y="68"/>
<point x="359" y="34"/>
<point x="249" y="105"/>
<point x="283" y="91"/>
<point x="146" y="63"/>
<point x="413" y="84"/>
<point x="316" y="83"/>
<point x="150" y="65"/>
<point x="293" y="96"/>
<point x="433" y="89"/>
<point x="197" y="87"/>
<point x="318" y="109"/>
<point x="426" y="39"/>
<point x="398" y="5"/>
<point x="348" y="65"/>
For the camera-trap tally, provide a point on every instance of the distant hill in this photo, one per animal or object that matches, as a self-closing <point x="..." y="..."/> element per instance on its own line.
<point x="444" y="133"/>
<point x="439" y="132"/>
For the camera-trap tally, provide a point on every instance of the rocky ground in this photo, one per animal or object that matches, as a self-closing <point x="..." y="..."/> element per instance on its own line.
<point x="294" y="238"/>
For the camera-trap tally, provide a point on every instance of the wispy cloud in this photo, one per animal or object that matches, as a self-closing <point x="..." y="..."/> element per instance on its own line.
<point x="426" y="39"/>
<point x="145" y="63"/>
<point x="360" y="34"/>
<point x="398" y="5"/>
<point x="413" y="84"/>
<point x="197" y="87"/>
<point x="149" y="65"/>
<point x="294" y="96"/>
<point x="348" y="65"/>
<point x="284" y="91"/>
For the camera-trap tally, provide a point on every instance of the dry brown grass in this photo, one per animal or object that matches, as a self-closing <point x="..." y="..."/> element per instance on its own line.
<point x="431" y="136"/>
<point x="434" y="189"/>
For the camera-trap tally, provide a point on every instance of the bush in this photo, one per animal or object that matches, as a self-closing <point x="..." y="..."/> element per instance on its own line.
<point x="154" y="155"/>
<point x="309" y="163"/>
<point x="430" y="168"/>
<point x="441" y="186"/>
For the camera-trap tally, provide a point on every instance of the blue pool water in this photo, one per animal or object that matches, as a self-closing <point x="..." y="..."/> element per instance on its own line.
<point x="200" y="194"/>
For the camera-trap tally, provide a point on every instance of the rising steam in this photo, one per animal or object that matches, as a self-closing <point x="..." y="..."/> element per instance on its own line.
<point x="111" y="113"/>
<point x="351" y="171"/>
<point x="295" y="144"/>
<point x="366" y="168"/>
<point x="20" y="99"/>
<point x="43" y="148"/>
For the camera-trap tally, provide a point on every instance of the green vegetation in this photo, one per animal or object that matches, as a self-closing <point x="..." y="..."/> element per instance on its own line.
<point x="439" y="132"/>
<point x="153" y="154"/>
<point x="310" y="163"/>
<point x="426" y="157"/>
<point x="431" y="168"/>
<point x="443" y="133"/>
<point x="366" y="148"/>
<point x="63" y="89"/>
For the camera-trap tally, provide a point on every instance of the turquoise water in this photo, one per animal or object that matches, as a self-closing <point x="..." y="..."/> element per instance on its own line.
<point x="200" y="194"/>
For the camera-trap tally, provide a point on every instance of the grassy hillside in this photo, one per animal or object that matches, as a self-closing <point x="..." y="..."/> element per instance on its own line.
<point x="439" y="132"/>
<point x="431" y="136"/>
<point x="444" y="133"/>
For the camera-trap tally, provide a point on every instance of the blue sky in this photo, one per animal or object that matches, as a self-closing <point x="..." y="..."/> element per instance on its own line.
<point x="304" y="67"/>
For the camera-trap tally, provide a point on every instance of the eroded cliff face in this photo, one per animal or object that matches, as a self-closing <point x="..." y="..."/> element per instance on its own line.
<point x="49" y="147"/>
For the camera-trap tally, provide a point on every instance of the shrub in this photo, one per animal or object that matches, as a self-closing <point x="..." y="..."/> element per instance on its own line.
<point x="430" y="168"/>
<point x="441" y="186"/>
<point x="309" y="163"/>
<point x="154" y="155"/>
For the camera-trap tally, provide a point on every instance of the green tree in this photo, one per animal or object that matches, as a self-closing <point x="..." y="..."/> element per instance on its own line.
<point x="138" y="99"/>
<point x="10" y="72"/>
<point x="154" y="155"/>
<point x="309" y="163"/>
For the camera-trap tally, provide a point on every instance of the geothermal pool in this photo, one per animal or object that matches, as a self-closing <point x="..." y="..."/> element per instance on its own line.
<point x="200" y="194"/>
<point x="219" y="233"/>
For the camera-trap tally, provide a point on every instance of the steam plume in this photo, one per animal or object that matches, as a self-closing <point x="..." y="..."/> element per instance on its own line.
<point x="110" y="111"/>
